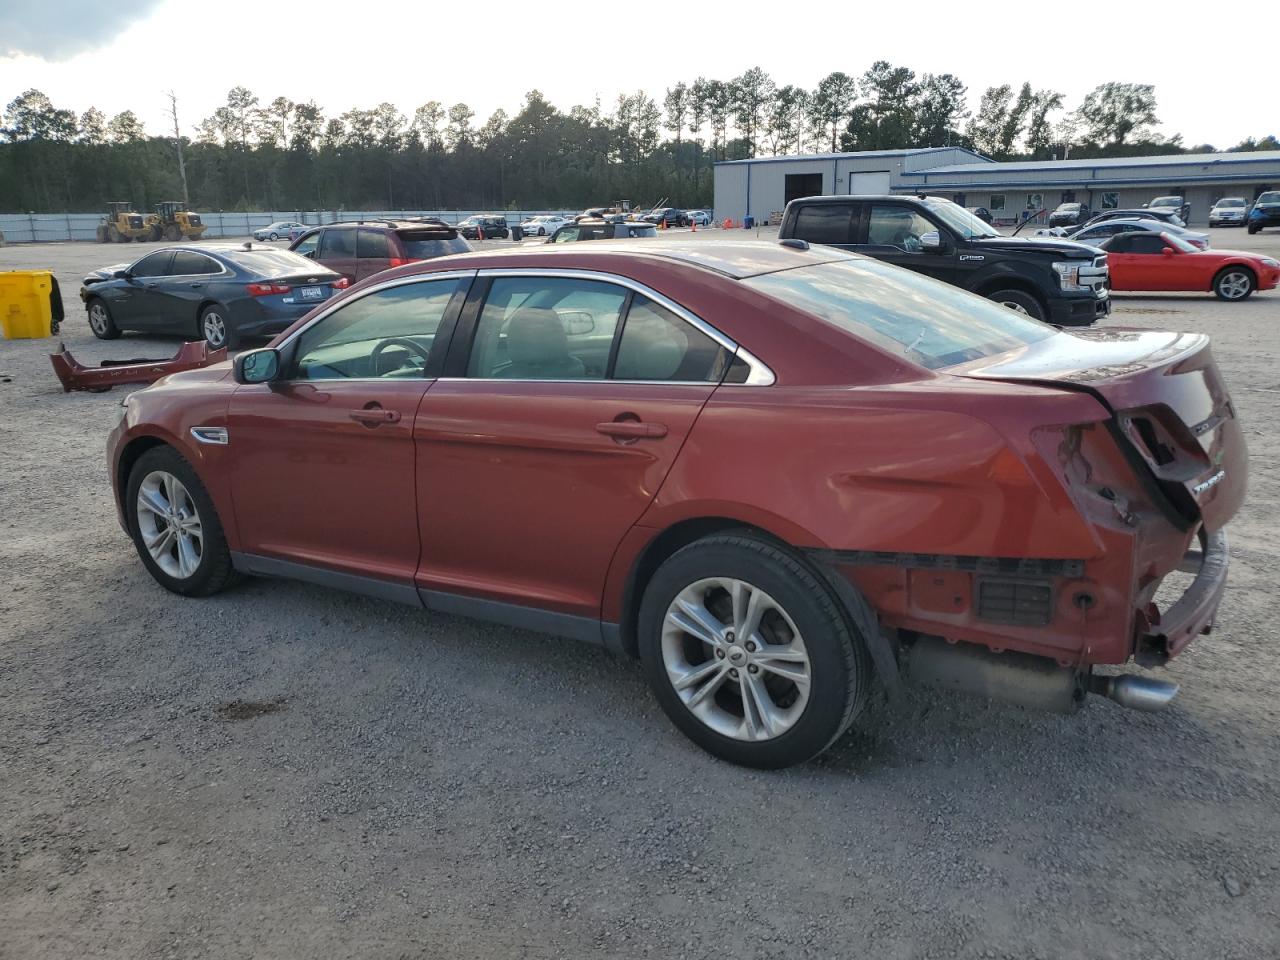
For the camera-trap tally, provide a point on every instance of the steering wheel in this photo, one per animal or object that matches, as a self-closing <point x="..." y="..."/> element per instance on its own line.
<point x="375" y="358"/>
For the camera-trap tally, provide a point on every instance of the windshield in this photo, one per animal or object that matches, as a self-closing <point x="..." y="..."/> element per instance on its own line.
<point x="1271" y="196"/>
<point x="1069" y="206"/>
<point x="1175" y="241"/>
<point x="1230" y="202"/>
<point x="1167" y="202"/>
<point x="931" y="323"/>
<point x="960" y="220"/>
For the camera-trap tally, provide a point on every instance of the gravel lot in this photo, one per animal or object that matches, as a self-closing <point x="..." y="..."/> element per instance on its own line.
<point x="284" y="771"/>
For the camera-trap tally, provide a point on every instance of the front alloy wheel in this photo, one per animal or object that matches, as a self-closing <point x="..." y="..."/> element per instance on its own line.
<point x="736" y="659"/>
<point x="1233" y="284"/>
<point x="169" y="524"/>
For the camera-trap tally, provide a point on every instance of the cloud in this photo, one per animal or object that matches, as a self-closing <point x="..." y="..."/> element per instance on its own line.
<point x="59" y="29"/>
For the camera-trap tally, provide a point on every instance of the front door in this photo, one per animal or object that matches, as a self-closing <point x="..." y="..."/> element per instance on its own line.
<point x="135" y="304"/>
<point x="564" y="417"/>
<point x="323" y="459"/>
<point x="895" y="233"/>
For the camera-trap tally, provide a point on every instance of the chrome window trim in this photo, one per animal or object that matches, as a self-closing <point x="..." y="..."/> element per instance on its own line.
<point x="759" y="374"/>
<point x="335" y="305"/>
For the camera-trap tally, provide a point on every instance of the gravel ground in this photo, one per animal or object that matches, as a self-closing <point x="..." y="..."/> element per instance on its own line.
<point x="284" y="771"/>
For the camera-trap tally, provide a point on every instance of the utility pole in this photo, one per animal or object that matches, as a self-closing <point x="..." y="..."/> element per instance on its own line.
<point x="177" y="138"/>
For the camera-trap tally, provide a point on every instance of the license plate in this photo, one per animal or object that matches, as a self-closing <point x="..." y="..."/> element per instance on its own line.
<point x="311" y="293"/>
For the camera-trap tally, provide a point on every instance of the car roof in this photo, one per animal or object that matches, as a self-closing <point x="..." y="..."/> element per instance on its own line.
<point x="735" y="259"/>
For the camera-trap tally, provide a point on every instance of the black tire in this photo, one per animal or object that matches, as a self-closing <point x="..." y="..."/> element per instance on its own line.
<point x="156" y="234"/>
<point x="1019" y="301"/>
<point x="208" y="325"/>
<point x="1231" y="280"/>
<point x="542" y="231"/>
<point x="1252" y="228"/>
<point x="274" y="236"/>
<point x="113" y="234"/>
<point x="214" y="571"/>
<point x="173" y="233"/>
<point x="101" y="323"/>
<point x="838" y="662"/>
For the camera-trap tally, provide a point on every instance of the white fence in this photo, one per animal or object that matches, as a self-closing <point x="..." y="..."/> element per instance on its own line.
<point x="58" y="227"/>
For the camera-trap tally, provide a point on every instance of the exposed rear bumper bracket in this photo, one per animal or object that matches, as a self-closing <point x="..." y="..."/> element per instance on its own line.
<point x="1192" y="614"/>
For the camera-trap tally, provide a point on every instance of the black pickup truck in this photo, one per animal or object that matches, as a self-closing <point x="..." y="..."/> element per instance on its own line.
<point x="1053" y="280"/>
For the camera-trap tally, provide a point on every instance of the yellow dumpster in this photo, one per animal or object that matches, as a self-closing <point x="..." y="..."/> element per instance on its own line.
<point x="26" y="304"/>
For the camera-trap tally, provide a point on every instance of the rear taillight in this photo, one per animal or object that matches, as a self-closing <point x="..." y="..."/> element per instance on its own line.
<point x="341" y="283"/>
<point x="267" y="289"/>
<point x="401" y="261"/>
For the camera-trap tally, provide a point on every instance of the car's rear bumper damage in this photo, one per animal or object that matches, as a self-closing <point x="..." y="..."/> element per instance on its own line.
<point x="1165" y="634"/>
<point x="110" y="373"/>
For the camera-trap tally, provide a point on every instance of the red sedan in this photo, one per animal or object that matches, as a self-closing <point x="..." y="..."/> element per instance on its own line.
<point x="1162" y="261"/>
<point x="775" y="474"/>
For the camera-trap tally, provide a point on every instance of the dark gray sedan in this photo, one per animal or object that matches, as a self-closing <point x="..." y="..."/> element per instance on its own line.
<point x="221" y="292"/>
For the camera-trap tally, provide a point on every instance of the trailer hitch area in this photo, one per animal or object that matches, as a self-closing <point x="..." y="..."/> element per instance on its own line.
<point x="109" y="373"/>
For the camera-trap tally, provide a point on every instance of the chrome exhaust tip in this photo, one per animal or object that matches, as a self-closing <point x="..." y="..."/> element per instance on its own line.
<point x="1135" y="692"/>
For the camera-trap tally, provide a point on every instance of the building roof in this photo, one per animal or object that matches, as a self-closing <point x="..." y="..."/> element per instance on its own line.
<point x="858" y="154"/>
<point x="1102" y="163"/>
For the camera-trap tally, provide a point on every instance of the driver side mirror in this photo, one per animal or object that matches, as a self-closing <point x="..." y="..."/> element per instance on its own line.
<point x="931" y="242"/>
<point x="1167" y="251"/>
<point x="122" y="275"/>
<point x="257" y="366"/>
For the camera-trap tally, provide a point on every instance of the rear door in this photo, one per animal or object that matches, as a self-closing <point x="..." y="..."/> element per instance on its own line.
<point x="373" y="252"/>
<point x="832" y="224"/>
<point x="337" y="251"/>
<point x="186" y="287"/>
<point x="566" y="404"/>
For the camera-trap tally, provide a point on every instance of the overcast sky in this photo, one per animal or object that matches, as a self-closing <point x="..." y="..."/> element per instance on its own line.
<point x="119" y="56"/>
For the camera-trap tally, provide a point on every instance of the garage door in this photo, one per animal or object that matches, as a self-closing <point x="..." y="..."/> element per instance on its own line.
<point x="876" y="181"/>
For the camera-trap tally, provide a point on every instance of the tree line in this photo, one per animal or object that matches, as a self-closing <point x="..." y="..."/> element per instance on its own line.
<point x="253" y="154"/>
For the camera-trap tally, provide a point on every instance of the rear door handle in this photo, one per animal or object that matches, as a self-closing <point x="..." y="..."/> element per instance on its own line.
<point x="632" y="429"/>
<point x="375" y="416"/>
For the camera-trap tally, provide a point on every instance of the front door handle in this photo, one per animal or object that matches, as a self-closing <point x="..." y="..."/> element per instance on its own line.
<point x="632" y="429"/>
<point x="196" y="286"/>
<point x="374" y="416"/>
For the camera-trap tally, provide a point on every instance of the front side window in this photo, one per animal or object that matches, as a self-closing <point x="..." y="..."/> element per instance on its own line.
<point x="1148" y="243"/>
<point x="387" y="333"/>
<point x="825" y="223"/>
<point x="152" y="265"/>
<point x="307" y="245"/>
<point x="890" y="225"/>
<point x="546" y="328"/>
<point x="930" y="323"/>
<point x="566" y="235"/>
<point x="658" y="345"/>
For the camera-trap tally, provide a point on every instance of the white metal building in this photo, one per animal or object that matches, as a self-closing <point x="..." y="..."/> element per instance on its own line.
<point x="763" y="186"/>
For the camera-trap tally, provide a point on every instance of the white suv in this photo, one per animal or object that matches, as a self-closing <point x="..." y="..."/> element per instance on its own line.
<point x="1228" y="210"/>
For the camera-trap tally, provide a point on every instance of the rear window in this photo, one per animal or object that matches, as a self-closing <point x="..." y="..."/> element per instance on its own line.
<point x="931" y="323"/>
<point x="424" y="246"/>
<point x="824" y="223"/>
<point x="273" y="263"/>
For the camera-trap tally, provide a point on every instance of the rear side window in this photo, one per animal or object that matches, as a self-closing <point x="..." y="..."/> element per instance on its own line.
<point x="187" y="264"/>
<point x="424" y="246"/>
<point x="825" y="223"/>
<point x="658" y="345"/>
<point x="372" y="245"/>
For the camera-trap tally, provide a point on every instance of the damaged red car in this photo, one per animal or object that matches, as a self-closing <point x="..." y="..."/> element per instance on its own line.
<point x="777" y="475"/>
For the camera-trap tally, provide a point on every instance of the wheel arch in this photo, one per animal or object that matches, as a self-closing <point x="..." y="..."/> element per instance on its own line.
<point x="130" y="454"/>
<point x="1232" y="265"/>
<point x="1012" y="281"/>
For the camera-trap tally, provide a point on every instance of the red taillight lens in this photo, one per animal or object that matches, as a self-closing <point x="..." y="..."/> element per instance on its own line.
<point x="267" y="289"/>
<point x="397" y="261"/>
<point x="341" y="283"/>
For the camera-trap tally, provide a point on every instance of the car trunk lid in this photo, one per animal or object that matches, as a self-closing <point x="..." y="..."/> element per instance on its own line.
<point x="1171" y="412"/>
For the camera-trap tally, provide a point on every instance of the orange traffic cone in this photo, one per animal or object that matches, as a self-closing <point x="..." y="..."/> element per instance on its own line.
<point x="479" y="231"/>
<point x="662" y="224"/>
<point x="728" y="223"/>
<point x="693" y="226"/>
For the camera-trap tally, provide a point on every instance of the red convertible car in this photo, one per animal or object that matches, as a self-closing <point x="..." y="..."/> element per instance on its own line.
<point x="1161" y="261"/>
<point x="773" y="473"/>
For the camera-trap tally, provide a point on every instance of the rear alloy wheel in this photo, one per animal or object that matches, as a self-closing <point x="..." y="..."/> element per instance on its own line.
<point x="1234" y="283"/>
<point x="175" y="527"/>
<point x="749" y="653"/>
<point x="215" y="328"/>
<point x="100" y="322"/>
<point x="1019" y="302"/>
